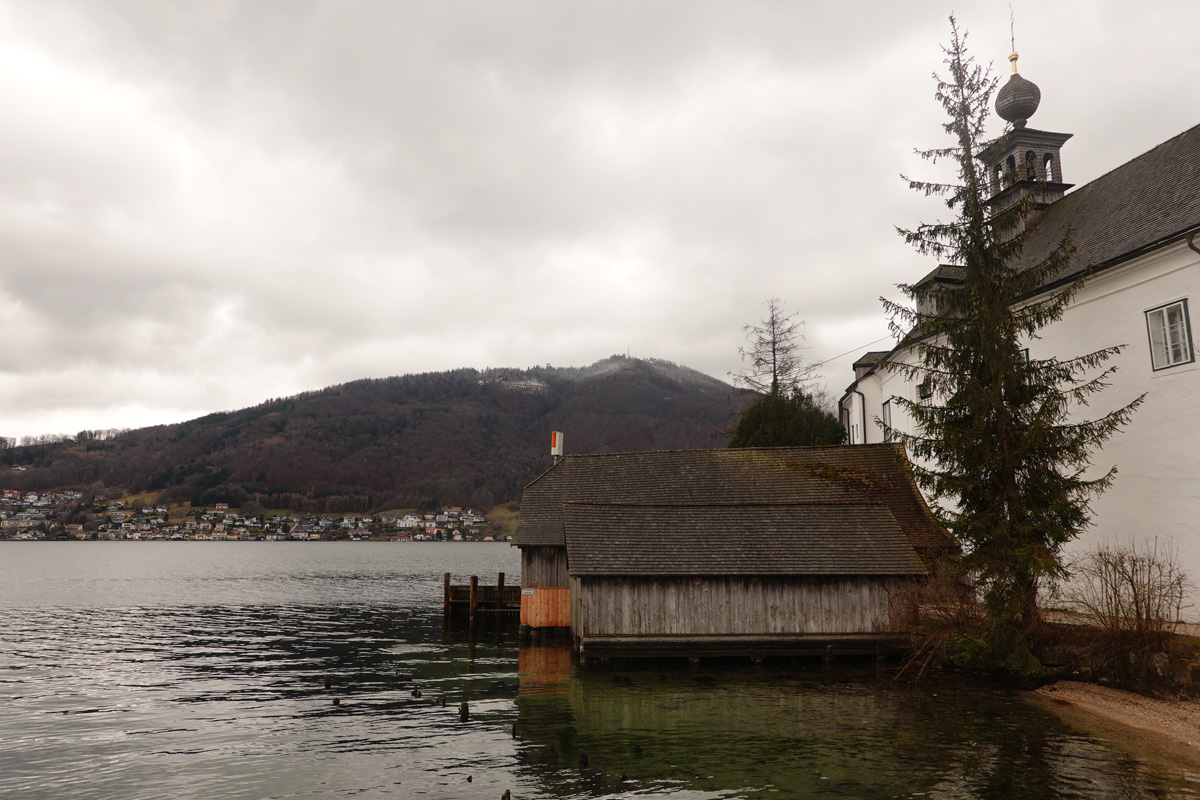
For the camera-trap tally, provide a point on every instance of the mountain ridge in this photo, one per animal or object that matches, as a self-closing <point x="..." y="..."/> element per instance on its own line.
<point x="464" y="436"/>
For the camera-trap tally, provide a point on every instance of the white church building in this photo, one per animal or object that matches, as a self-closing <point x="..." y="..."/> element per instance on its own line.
<point x="1136" y="229"/>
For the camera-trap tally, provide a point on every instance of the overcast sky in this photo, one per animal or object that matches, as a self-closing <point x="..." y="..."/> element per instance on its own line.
<point x="207" y="204"/>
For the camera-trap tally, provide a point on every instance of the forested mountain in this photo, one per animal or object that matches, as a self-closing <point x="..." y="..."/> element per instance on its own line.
<point x="462" y="437"/>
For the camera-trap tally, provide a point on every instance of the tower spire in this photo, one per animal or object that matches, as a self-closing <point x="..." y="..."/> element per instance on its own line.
<point x="1012" y="38"/>
<point x="1024" y="162"/>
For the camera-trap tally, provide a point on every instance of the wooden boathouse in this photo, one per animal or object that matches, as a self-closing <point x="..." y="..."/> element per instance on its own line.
<point x="724" y="552"/>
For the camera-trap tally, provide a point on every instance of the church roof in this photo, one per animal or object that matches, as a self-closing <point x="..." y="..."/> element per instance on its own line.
<point x="871" y="357"/>
<point x="1146" y="202"/>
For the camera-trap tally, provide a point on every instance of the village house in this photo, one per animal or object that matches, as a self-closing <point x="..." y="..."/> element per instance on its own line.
<point x="1135" y="232"/>
<point x="707" y="552"/>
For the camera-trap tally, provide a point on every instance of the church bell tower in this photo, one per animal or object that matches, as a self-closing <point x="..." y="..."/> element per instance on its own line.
<point x="1024" y="162"/>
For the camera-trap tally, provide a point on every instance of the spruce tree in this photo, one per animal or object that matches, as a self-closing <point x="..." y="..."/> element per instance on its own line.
<point x="999" y="445"/>
<point x="787" y="420"/>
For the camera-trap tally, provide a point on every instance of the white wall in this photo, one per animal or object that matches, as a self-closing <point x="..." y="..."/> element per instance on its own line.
<point x="1157" y="489"/>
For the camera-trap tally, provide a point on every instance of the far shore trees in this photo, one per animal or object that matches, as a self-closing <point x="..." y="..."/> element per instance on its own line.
<point x="997" y="445"/>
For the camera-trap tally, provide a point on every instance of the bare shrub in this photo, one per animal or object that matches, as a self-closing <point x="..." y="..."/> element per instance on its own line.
<point x="1133" y="592"/>
<point x="935" y="613"/>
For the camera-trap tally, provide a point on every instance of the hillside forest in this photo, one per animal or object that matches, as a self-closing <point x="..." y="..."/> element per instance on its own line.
<point x="465" y="437"/>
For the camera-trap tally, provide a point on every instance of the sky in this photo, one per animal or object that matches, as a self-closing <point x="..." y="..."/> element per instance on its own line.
<point x="205" y="205"/>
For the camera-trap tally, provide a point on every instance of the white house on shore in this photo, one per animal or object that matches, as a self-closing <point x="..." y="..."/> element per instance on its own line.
<point x="1136" y="230"/>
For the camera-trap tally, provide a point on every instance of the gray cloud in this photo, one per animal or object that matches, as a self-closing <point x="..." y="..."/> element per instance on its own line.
<point x="203" y="205"/>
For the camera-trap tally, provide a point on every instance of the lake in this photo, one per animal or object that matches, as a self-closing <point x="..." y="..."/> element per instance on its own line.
<point x="198" y="670"/>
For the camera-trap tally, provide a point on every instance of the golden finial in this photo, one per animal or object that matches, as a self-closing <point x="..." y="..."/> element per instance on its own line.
<point x="1013" y="58"/>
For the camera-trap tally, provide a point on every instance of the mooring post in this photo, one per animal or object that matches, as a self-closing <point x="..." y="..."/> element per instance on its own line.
<point x="474" y="597"/>
<point x="446" y="593"/>
<point x="500" y="592"/>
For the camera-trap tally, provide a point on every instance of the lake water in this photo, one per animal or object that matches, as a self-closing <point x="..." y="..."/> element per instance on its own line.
<point x="197" y="670"/>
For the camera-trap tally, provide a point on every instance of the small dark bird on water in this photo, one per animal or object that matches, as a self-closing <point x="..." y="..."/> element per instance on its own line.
<point x="469" y="779"/>
<point x="337" y="702"/>
<point x="416" y="692"/>
<point x="506" y="796"/>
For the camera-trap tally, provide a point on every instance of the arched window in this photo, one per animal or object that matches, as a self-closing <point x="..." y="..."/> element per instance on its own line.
<point x="1048" y="166"/>
<point x="1030" y="170"/>
<point x="1012" y="169"/>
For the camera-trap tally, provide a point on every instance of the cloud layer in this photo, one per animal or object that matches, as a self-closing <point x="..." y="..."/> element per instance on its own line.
<point x="203" y="205"/>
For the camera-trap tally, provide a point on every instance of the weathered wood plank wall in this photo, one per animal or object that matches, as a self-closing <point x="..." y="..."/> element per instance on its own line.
<point x="723" y="605"/>
<point x="544" y="566"/>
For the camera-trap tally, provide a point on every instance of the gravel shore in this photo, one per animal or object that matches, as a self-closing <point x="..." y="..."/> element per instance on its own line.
<point x="1157" y="730"/>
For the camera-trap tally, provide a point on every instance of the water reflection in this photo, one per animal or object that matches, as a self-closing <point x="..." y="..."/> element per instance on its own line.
<point x="176" y="697"/>
<point x="803" y="730"/>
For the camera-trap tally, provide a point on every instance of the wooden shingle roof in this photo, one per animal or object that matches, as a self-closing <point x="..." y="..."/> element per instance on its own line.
<point x="848" y="475"/>
<point x="782" y="539"/>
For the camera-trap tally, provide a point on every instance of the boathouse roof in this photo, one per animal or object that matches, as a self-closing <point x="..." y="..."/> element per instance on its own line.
<point x="842" y="475"/>
<point x="779" y="539"/>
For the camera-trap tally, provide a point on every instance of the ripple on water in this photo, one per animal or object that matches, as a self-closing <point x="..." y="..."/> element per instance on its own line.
<point x="203" y="676"/>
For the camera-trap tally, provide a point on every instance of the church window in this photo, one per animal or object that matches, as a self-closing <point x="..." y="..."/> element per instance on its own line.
<point x="1030" y="158"/>
<point x="1170" y="334"/>
<point x="1048" y="166"/>
<point x="1012" y="168"/>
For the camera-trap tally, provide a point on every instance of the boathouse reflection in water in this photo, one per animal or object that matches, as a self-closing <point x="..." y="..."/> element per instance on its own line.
<point x="799" y="729"/>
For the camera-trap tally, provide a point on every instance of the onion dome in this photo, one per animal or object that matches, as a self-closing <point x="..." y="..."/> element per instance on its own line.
<point x="1018" y="99"/>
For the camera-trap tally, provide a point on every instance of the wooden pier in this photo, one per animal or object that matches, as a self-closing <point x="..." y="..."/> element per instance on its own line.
<point x="478" y="599"/>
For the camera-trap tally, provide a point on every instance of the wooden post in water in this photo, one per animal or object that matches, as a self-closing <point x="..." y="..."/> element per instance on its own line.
<point x="474" y="597"/>
<point x="499" y="595"/>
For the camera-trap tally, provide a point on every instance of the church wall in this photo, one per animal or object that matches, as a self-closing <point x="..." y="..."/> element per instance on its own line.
<point x="1157" y="489"/>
